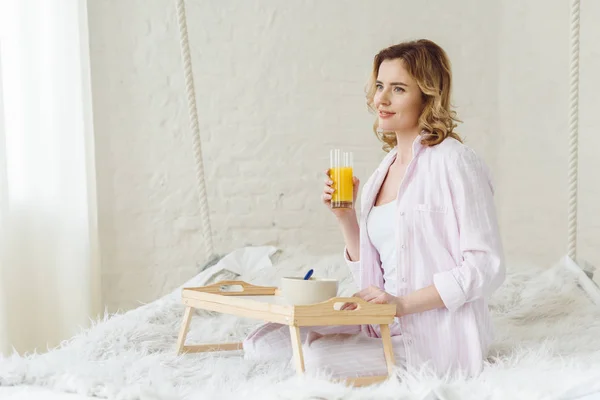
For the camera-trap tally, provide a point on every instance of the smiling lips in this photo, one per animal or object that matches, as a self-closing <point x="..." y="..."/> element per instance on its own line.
<point x="385" y="114"/>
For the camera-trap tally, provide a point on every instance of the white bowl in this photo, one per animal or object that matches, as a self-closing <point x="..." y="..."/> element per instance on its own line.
<point x="297" y="291"/>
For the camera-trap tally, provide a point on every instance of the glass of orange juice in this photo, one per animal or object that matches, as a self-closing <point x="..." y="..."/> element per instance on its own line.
<point x="340" y="172"/>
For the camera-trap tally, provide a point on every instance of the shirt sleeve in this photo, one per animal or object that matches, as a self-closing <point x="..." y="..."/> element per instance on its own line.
<point x="354" y="267"/>
<point x="482" y="269"/>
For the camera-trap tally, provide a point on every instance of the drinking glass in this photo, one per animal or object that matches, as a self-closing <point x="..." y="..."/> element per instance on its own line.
<point x="340" y="172"/>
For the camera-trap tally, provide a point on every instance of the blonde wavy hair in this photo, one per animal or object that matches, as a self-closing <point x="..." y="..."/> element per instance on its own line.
<point x="429" y="66"/>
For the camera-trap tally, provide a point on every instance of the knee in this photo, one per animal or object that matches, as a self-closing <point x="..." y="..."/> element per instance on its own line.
<point x="315" y="352"/>
<point x="265" y="344"/>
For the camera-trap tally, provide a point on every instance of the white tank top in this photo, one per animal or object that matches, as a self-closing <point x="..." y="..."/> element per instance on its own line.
<point x="381" y="228"/>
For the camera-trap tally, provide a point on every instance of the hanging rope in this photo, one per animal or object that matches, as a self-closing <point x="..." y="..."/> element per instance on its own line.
<point x="573" y="132"/>
<point x="197" y="145"/>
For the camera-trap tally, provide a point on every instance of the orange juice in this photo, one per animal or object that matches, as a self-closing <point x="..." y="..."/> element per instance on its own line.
<point x="342" y="196"/>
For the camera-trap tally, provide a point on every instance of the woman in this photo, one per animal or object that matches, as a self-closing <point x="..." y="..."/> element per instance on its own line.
<point x="427" y="240"/>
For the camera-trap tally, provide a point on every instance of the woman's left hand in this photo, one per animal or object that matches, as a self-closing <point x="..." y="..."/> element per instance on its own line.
<point x="373" y="294"/>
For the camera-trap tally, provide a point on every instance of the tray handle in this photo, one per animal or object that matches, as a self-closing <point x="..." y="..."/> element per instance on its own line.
<point x="243" y="289"/>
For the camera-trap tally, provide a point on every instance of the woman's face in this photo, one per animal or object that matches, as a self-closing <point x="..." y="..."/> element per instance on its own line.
<point x="397" y="98"/>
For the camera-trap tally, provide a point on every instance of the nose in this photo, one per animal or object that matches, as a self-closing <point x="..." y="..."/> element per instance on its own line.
<point x="382" y="98"/>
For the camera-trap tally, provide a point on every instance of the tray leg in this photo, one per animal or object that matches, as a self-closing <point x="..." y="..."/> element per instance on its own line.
<point x="201" y="348"/>
<point x="388" y="350"/>
<point x="185" y="325"/>
<point x="297" y="349"/>
<point x="365" y="380"/>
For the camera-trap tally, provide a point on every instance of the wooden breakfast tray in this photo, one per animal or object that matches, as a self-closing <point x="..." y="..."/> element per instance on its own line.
<point x="264" y="303"/>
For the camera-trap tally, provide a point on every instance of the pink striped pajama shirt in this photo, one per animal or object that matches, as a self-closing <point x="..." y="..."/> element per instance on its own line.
<point x="447" y="235"/>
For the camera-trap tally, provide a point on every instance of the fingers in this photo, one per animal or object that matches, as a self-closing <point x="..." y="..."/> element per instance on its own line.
<point x="327" y="192"/>
<point x="356" y="184"/>
<point x="372" y="294"/>
<point x="351" y="306"/>
<point x="369" y="297"/>
<point x="327" y="189"/>
<point x="366" y="291"/>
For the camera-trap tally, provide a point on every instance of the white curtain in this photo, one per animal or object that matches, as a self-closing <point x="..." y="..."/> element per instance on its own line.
<point x="49" y="262"/>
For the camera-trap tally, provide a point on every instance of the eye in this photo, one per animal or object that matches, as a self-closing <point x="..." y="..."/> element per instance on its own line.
<point x="398" y="89"/>
<point x="379" y="86"/>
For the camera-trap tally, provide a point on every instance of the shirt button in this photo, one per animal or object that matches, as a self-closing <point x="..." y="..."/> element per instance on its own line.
<point x="403" y="279"/>
<point x="401" y="213"/>
<point x="403" y="246"/>
<point x="409" y="342"/>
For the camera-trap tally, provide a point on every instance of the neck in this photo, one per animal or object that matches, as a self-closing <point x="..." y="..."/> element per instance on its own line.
<point x="405" y="146"/>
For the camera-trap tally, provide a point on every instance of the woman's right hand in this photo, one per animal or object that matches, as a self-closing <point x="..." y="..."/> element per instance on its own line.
<point x="340" y="213"/>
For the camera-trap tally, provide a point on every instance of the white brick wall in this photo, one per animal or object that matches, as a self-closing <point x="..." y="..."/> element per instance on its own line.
<point x="279" y="84"/>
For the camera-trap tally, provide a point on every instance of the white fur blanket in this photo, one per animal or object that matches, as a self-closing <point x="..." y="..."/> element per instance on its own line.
<point x="548" y="345"/>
